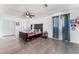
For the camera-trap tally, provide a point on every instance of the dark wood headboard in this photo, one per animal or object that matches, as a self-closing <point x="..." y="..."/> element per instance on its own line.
<point x="38" y="26"/>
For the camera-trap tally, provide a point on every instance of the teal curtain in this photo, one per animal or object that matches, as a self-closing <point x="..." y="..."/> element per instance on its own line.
<point x="65" y="27"/>
<point x="55" y="27"/>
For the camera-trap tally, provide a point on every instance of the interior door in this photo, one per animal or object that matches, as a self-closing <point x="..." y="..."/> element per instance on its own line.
<point x="65" y="27"/>
<point x="55" y="27"/>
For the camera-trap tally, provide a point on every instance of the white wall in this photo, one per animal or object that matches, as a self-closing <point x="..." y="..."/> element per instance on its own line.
<point x="47" y="22"/>
<point x="74" y="35"/>
<point x="0" y="28"/>
<point x="24" y="25"/>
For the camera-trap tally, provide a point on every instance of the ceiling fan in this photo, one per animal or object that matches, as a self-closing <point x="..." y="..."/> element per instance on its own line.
<point x="28" y="14"/>
<point x="46" y="5"/>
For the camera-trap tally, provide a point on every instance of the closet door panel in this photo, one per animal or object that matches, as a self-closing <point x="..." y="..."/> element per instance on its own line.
<point x="8" y="27"/>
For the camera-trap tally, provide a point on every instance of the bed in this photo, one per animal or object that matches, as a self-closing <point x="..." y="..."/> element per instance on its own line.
<point x="28" y="36"/>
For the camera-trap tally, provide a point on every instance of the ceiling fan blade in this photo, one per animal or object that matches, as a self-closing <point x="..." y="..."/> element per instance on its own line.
<point x="30" y="16"/>
<point x="27" y="14"/>
<point x="46" y="5"/>
<point x="33" y="15"/>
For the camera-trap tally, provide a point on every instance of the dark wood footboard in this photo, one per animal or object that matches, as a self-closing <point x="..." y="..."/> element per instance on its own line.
<point x="23" y="36"/>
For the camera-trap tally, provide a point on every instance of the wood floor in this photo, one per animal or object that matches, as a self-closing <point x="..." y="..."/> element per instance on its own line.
<point x="11" y="45"/>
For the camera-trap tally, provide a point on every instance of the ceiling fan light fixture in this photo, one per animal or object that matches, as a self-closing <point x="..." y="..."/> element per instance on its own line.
<point x="45" y="5"/>
<point x="28" y="14"/>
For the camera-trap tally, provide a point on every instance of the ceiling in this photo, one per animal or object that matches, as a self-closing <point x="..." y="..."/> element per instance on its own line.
<point x="39" y="10"/>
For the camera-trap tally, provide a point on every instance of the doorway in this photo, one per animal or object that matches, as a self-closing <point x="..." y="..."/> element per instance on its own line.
<point x="56" y="27"/>
<point x="65" y="27"/>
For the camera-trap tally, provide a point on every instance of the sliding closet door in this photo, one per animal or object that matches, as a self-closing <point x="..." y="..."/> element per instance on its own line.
<point x="65" y="27"/>
<point x="55" y="27"/>
<point x="8" y="27"/>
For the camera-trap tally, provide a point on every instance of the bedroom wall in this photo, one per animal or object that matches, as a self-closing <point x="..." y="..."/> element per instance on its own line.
<point x="47" y="22"/>
<point x="24" y="25"/>
<point x="74" y="35"/>
<point x="0" y="28"/>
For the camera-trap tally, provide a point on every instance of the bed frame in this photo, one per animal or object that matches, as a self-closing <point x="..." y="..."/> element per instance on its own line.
<point x="25" y="36"/>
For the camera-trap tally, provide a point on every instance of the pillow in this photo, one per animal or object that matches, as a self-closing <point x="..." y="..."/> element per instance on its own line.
<point x="39" y="30"/>
<point x="30" y="32"/>
<point x="35" y="30"/>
